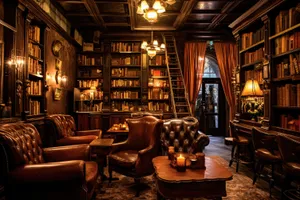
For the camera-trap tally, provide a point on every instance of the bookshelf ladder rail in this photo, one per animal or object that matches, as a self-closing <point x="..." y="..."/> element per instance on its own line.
<point x="182" y="107"/>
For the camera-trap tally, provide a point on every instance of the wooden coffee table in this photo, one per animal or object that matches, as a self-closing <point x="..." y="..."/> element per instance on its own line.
<point x="118" y="135"/>
<point x="193" y="183"/>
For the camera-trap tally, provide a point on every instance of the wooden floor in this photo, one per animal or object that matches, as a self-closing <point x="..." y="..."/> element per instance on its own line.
<point x="218" y="147"/>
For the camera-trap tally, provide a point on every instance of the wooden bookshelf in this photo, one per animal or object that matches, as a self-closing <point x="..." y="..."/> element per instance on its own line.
<point x="251" y="64"/>
<point x="253" y="46"/>
<point x="285" y="31"/>
<point x="35" y="39"/>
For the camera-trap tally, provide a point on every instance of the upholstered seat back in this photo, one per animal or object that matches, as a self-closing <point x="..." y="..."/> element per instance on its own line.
<point x="143" y="114"/>
<point x="143" y="132"/>
<point x="65" y="125"/>
<point x="181" y="133"/>
<point x="22" y="144"/>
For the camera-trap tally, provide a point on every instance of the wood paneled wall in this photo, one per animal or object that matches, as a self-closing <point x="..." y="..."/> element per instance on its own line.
<point x="68" y="58"/>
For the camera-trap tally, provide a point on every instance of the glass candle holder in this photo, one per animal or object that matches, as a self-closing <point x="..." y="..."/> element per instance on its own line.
<point x="181" y="163"/>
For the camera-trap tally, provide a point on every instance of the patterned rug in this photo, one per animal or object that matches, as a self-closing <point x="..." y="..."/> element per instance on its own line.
<point x="239" y="188"/>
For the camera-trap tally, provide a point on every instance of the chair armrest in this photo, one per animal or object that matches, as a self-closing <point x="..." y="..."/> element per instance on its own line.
<point x="143" y="164"/>
<point x="70" y="152"/>
<point x="201" y="141"/>
<point x="96" y="132"/>
<point x="49" y="172"/>
<point x="119" y="146"/>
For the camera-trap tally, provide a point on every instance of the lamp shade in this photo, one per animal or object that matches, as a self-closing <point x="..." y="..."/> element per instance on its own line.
<point x="252" y="89"/>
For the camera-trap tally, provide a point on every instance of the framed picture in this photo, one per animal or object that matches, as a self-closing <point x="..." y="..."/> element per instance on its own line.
<point x="57" y="94"/>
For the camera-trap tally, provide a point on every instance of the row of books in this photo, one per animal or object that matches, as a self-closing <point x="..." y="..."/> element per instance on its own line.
<point x="132" y="60"/>
<point x="158" y="106"/>
<point x="88" y="83"/>
<point x="255" y="75"/>
<point x="34" y="33"/>
<point x="125" y="47"/>
<point x="158" y="60"/>
<point x="125" y="83"/>
<point x="95" y="107"/>
<point x="123" y="106"/>
<point x="91" y="95"/>
<point x="157" y="94"/>
<point x="288" y="67"/>
<point x="158" y="72"/>
<point x="288" y="95"/>
<point x="85" y="60"/>
<point x="34" y="50"/>
<point x="290" y="122"/>
<point x="248" y="39"/>
<point x="124" y="95"/>
<point x="287" y="43"/>
<point x="125" y="72"/>
<point x="287" y="18"/>
<point x="93" y="47"/>
<point x="34" y="107"/>
<point x="250" y="57"/>
<point x="34" y="66"/>
<point x="158" y="83"/>
<point x="35" y="88"/>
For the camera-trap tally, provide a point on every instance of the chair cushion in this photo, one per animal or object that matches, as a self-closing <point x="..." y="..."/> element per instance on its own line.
<point x="76" y="140"/>
<point x="292" y="168"/>
<point x="241" y="140"/>
<point x="266" y="155"/>
<point x="91" y="174"/>
<point x="124" y="158"/>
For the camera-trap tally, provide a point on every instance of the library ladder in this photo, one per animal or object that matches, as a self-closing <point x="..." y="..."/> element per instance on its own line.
<point x="180" y="104"/>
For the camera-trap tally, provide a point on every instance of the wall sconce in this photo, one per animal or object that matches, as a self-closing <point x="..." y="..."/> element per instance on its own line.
<point x="57" y="78"/>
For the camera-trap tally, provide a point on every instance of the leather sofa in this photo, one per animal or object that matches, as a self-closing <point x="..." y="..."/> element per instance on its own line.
<point x="133" y="157"/>
<point x="184" y="135"/>
<point x="34" y="172"/>
<point x="65" y="131"/>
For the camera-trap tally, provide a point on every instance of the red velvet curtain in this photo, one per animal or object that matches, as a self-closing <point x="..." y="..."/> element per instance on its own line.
<point x="227" y="61"/>
<point x="194" y="59"/>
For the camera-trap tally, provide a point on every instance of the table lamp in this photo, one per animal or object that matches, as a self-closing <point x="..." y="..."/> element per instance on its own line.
<point x="252" y="90"/>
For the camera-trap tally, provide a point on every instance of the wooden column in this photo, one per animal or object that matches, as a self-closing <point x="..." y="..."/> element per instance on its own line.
<point x="237" y="86"/>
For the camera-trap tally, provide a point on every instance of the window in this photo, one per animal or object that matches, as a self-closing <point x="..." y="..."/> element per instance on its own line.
<point x="211" y="68"/>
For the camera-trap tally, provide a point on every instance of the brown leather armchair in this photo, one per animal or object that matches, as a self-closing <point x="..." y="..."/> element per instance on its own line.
<point x="143" y="114"/>
<point x="49" y="173"/>
<point x="133" y="157"/>
<point x="183" y="134"/>
<point x="66" y="133"/>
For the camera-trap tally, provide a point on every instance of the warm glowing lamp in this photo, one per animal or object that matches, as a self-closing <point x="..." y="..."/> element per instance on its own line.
<point x="144" y="5"/>
<point x="151" y="15"/>
<point x="252" y="90"/>
<point x="157" y="5"/>
<point x="161" y="10"/>
<point x="155" y="43"/>
<point x="139" y="10"/>
<point x="151" y="52"/>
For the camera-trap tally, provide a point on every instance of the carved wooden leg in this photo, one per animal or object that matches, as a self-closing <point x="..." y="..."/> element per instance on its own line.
<point x="232" y="155"/>
<point x="110" y="174"/>
<point x="138" y="185"/>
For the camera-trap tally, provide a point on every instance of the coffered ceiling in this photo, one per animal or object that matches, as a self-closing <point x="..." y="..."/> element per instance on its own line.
<point x="206" y="19"/>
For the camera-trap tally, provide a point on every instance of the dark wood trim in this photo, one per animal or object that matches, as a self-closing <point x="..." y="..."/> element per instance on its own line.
<point x="42" y="15"/>
<point x="132" y="14"/>
<point x="8" y="26"/>
<point x="185" y="11"/>
<point x="92" y="8"/>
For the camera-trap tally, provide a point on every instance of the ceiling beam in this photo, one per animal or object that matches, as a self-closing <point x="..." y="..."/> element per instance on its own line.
<point x="195" y="22"/>
<point x="185" y="10"/>
<point x="111" y="2"/>
<point x="225" y="10"/>
<point x="92" y="8"/>
<point x="81" y="2"/>
<point x="154" y="28"/>
<point x="117" y="24"/>
<point x="132" y="19"/>
<point x="102" y="15"/>
<point x="205" y="12"/>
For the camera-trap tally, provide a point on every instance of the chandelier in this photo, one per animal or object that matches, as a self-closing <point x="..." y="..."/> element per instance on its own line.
<point x="152" y="48"/>
<point x="151" y="13"/>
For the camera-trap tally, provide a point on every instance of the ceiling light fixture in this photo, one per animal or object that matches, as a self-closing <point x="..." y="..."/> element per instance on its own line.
<point x="153" y="47"/>
<point x="151" y="13"/>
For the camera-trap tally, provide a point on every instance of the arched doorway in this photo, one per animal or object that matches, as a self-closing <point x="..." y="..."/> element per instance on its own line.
<point x="210" y="105"/>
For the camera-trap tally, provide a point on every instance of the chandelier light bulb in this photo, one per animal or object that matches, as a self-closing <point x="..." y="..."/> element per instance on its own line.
<point x="151" y="53"/>
<point x="157" y="5"/>
<point x="161" y="10"/>
<point x="139" y="10"/>
<point x="162" y="46"/>
<point x="155" y="43"/>
<point x="171" y="2"/>
<point x="144" y="45"/>
<point x="151" y="15"/>
<point x="144" y="5"/>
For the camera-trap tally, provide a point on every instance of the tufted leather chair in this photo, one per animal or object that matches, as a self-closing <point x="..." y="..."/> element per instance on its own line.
<point x="266" y="153"/>
<point x="183" y="134"/>
<point x="133" y="157"/>
<point x="289" y="148"/>
<point x="66" y="133"/>
<point x="143" y="114"/>
<point x="45" y="173"/>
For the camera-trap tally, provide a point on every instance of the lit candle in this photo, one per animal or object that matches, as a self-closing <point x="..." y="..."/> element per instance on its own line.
<point x="171" y="149"/>
<point x="181" y="161"/>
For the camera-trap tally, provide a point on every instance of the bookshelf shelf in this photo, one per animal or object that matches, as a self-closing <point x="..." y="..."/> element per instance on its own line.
<point x="251" y="64"/>
<point x="253" y="46"/>
<point x="36" y="75"/>
<point x="89" y="100"/>
<point x="125" y="77"/>
<point x="35" y="58"/>
<point x="159" y="77"/>
<point x="287" y="78"/>
<point x="123" y="99"/>
<point x="35" y="96"/>
<point x="158" y="99"/>
<point x="126" y="52"/>
<point x="286" y="53"/>
<point x="158" y="66"/>
<point x="287" y="107"/>
<point x="126" y="87"/>
<point x="285" y="31"/>
<point x="90" y="52"/>
<point x="90" y="66"/>
<point x="124" y="66"/>
<point x="92" y="77"/>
